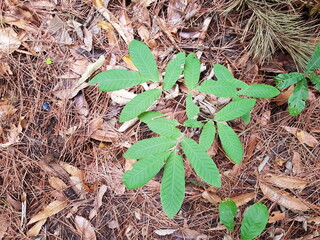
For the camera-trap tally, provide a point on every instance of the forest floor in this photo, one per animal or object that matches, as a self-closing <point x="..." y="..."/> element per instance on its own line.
<point x="61" y="149"/>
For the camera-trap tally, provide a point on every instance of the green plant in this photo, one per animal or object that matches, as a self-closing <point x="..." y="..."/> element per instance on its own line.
<point x="300" y="92"/>
<point x="254" y="220"/>
<point x="166" y="150"/>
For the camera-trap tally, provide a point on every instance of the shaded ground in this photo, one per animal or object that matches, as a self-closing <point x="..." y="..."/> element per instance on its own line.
<point x="46" y="121"/>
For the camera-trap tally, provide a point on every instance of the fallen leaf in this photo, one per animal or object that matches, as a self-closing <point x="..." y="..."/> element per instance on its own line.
<point x="98" y="201"/>
<point x="211" y="196"/>
<point x="5" y="69"/>
<point x="243" y="199"/>
<point x="265" y="118"/>
<point x="283" y="198"/>
<point x="100" y="130"/>
<point x="145" y="3"/>
<point x="186" y="233"/>
<point x="285" y="181"/>
<point x="12" y="136"/>
<point x="9" y="41"/>
<point x="81" y="105"/>
<point x="85" y="229"/>
<point x="113" y="224"/>
<point x="303" y="136"/>
<point x="36" y="228"/>
<point x="315" y="220"/>
<point x="50" y="210"/>
<point x="72" y="170"/>
<point x="276" y="216"/>
<point x="283" y="97"/>
<point x="57" y="183"/>
<point x="253" y="140"/>
<point x="164" y="232"/>
<point x="17" y="205"/>
<point x="296" y="163"/>
<point x="122" y="97"/>
<point x="112" y="38"/>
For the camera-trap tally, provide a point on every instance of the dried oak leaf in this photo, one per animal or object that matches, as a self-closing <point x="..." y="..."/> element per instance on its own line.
<point x="85" y="229"/>
<point x="285" y="181"/>
<point x="303" y="136"/>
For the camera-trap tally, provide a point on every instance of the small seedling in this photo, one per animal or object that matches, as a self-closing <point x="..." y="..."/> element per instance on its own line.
<point x="297" y="100"/>
<point x="168" y="149"/>
<point x="254" y="220"/>
<point x="48" y="61"/>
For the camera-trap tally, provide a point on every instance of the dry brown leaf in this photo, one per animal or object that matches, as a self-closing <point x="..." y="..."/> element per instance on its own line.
<point x="303" y="136"/>
<point x="211" y="197"/>
<point x="285" y="181"/>
<point x="276" y="216"/>
<point x="112" y="38"/>
<point x="85" y="229"/>
<point x="9" y="41"/>
<point x="6" y="109"/>
<point x="283" y="198"/>
<point x="253" y="140"/>
<point x="164" y="232"/>
<point x="125" y="22"/>
<point x="5" y="69"/>
<point x="144" y="33"/>
<point x="145" y="3"/>
<point x="50" y="210"/>
<point x="101" y="131"/>
<point x="98" y="201"/>
<point x="113" y="224"/>
<point x="243" y="199"/>
<point x="36" y="228"/>
<point x="175" y="12"/>
<point x="122" y="97"/>
<point x="296" y="163"/>
<point x="283" y="97"/>
<point x="12" y="136"/>
<point x="186" y="233"/>
<point x="81" y="105"/>
<point x="265" y="118"/>
<point x="315" y="220"/>
<point x="17" y="205"/>
<point x="57" y="183"/>
<point x="72" y="170"/>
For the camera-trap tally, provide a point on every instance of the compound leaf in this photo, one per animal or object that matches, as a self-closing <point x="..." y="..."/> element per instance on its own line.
<point x="201" y="162"/>
<point x="314" y="62"/>
<point x="144" y="169"/>
<point x="117" y="79"/>
<point x="254" y="221"/>
<point x="221" y="72"/>
<point x="285" y="80"/>
<point x="143" y="59"/>
<point x="227" y="212"/>
<point x="230" y="142"/>
<point x="139" y="104"/>
<point x="259" y="91"/>
<point x="174" y="70"/>
<point x="149" y="146"/>
<point x="207" y="135"/>
<point x="172" y="185"/>
<point x="235" y="109"/>
<point x="315" y="79"/>
<point x="298" y="97"/>
<point x="227" y="88"/>
<point x="191" y="71"/>
<point x="191" y="108"/>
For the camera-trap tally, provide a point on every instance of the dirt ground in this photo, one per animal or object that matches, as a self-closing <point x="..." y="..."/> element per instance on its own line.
<point x="61" y="149"/>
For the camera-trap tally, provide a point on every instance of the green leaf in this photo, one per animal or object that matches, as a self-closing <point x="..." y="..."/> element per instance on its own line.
<point x="254" y="221"/>
<point x="207" y="135"/>
<point x="314" y="62"/>
<point x="143" y="59"/>
<point x="144" y="169"/>
<point x="147" y="117"/>
<point x="191" y="108"/>
<point x="149" y="146"/>
<point x="235" y="109"/>
<point x="259" y="91"/>
<point x="201" y="162"/>
<point x="139" y="104"/>
<point x="174" y="70"/>
<point x="315" y="79"/>
<point x="162" y="127"/>
<point x="227" y="212"/>
<point x="192" y="71"/>
<point x="172" y="185"/>
<point x="192" y="123"/>
<point x="227" y="88"/>
<point x="245" y="117"/>
<point x="285" y="80"/>
<point x="297" y="100"/>
<point x="222" y="73"/>
<point x="117" y="79"/>
<point x="230" y="142"/>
